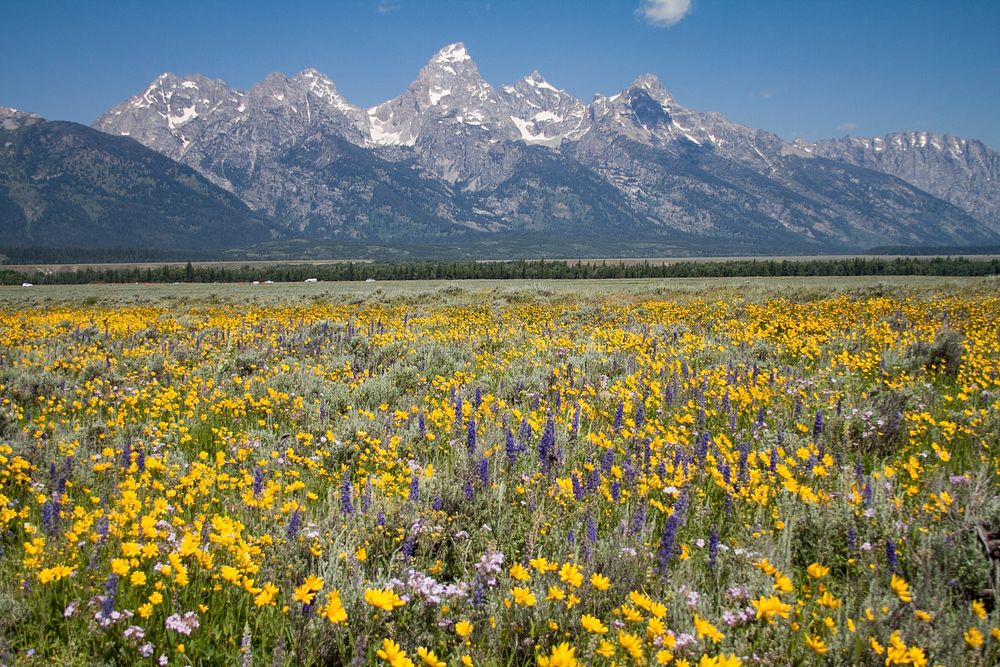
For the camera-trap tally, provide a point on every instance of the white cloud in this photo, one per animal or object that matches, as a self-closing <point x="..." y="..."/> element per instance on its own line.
<point x="387" y="7"/>
<point x="664" y="13"/>
<point x="848" y="127"/>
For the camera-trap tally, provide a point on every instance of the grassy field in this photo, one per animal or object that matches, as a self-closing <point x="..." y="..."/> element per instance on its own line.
<point x="710" y="472"/>
<point x="464" y="291"/>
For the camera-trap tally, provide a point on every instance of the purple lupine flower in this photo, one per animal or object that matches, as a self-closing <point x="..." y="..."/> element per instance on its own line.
<point x="110" y="593"/>
<point x="851" y="539"/>
<point x="701" y="447"/>
<point x="713" y="548"/>
<point x="818" y="425"/>
<point x="294" y="523"/>
<point x="140" y="460"/>
<point x="798" y="407"/>
<point x="638" y="520"/>
<point x="422" y="425"/>
<point x="510" y="447"/>
<point x="524" y="432"/>
<point x="866" y="495"/>
<point x="619" y="416"/>
<point x="437" y="503"/>
<point x="577" y="489"/>
<point x="840" y="406"/>
<point x="773" y="466"/>
<point x="483" y="471"/>
<point x="470" y="491"/>
<point x="380" y="519"/>
<point x="366" y="496"/>
<point x="458" y="410"/>
<point x="126" y="455"/>
<point x="890" y="555"/>
<point x="258" y="482"/>
<point x="409" y="545"/>
<point x="547" y="444"/>
<point x="346" y="504"/>
<point x="571" y="538"/>
<point x="666" y="551"/>
<point x="470" y="437"/>
<point x="414" y="489"/>
<point x="592" y="529"/>
<point x="594" y="480"/>
<point x="640" y="415"/>
<point x="479" y="398"/>
<point x="50" y="516"/>
<point x="616" y="491"/>
<point x="607" y="460"/>
<point x="576" y="421"/>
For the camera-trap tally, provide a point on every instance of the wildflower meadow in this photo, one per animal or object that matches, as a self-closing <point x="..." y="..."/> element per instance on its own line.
<point x="511" y="477"/>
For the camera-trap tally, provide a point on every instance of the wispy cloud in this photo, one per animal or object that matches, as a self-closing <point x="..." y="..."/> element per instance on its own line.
<point x="766" y="94"/>
<point x="664" y="13"/>
<point x="387" y="6"/>
<point x="849" y="126"/>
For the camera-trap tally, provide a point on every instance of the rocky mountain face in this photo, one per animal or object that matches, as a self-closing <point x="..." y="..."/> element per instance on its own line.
<point x="453" y="155"/>
<point x="65" y="184"/>
<point x="964" y="172"/>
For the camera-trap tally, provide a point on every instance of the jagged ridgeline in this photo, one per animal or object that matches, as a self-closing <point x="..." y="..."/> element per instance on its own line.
<point x="454" y="154"/>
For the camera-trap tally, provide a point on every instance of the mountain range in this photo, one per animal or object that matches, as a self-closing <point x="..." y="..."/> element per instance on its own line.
<point x="454" y="157"/>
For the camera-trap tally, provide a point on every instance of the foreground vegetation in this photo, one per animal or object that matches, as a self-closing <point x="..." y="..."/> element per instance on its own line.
<point x="505" y="478"/>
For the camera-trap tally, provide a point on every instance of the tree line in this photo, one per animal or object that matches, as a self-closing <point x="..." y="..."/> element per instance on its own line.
<point x="503" y="270"/>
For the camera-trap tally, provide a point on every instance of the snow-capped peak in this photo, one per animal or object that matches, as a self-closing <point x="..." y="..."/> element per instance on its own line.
<point x="538" y="81"/>
<point x="453" y="53"/>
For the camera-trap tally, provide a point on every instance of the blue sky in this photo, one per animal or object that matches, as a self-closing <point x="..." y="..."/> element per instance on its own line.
<point x="801" y="68"/>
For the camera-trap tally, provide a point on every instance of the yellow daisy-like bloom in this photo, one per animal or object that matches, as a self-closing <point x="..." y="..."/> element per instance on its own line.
<point x="606" y="649"/>
<point x="562" y="655"/>
<point x="304" y="594"/>
<point x="523" y="597"/>
<point x="922" y="615"/>
<point x="428" y="658"/>
<point x="817" y="571"/>
<point x="266" y="595"/>
<point x="593" y="624"/>
<point x="383" y="598"/>
<point x="828" y="601"/>
<point x="463" y="629"/>
<point x="816" y="644"/>
<point x="520" y="572"/>
<point x="973" y="637"/>
<point x="769" y="607"/>
<point x="543" y="565"/>
<point x="901" y="588"/>
<point x="706" y="629"/>
<point x="394" y="654"/>
<point x="978" y="609"/>
<point x="555" y="593"/>
<point x="570" y="574"/>
<point x="334" y="610"/>
<point x="632" y="645"/>
<point x="782" y="583"/>
<point x="600" y="582"/>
